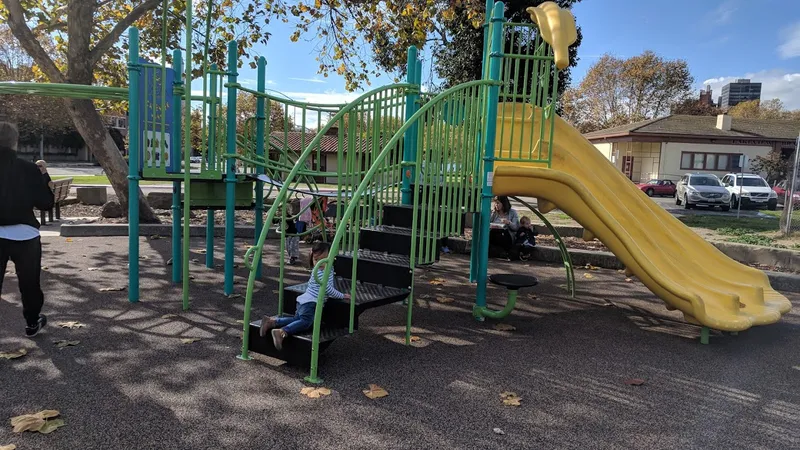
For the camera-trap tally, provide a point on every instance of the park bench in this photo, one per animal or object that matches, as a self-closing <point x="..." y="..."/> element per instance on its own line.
<point x="60" y="192"/>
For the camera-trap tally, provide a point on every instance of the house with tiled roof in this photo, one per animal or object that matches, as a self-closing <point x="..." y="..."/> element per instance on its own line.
<point x="671" y="146"/>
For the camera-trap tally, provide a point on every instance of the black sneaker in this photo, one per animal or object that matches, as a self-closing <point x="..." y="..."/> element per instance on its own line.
<point x="34" y="330"/>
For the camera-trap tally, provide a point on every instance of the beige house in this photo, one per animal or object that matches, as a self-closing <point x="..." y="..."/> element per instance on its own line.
<point x="668" y="147"/>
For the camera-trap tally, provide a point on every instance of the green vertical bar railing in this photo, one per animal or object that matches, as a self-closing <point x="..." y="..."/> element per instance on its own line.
<point x="495" y="61"/>
<point x="230" y="168"/>
<point x="134" y="149"/>
<point x="177" y="109"/>
<point x="260" y="127"/>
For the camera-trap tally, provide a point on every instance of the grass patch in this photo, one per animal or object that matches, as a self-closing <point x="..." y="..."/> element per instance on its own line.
<point x="755" y="239"/>
<point x="732" y="225"/>
<point x="99" y="179"/>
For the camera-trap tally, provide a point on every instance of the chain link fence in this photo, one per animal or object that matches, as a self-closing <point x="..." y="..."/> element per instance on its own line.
<point x="790" y="188"/>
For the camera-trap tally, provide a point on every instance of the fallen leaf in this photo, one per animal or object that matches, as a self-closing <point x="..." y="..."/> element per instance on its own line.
<point x="234" y="295"/>
<point x="68" y="240"/>
<point x="169" y="316"/>
<point x="507" y="394"/>
<point x="424" y="296"/>
<point x="189" y="340"/>
<point x="375" y="391"/>
<point x="71" y="325"/>
<point x="796" y="367"/>
<point x="438" y="281"/>
<point x="415" y="339"/>
<point x="510" y="398"/>
<point x="498" y="431"/>
<point x="45" y="268"/>
<point x="14" y="354"/>
<point x="240" y="322"/>
<point x="629" y="280"/>
<point x="169" y="262"/>
<point x="63" y="343"/>
<point x="8" y="447"/>
<point x="588" y="276"/>
<point x="504" y="327"/>
<point x="191" y="277"/>
<point x="590" y="267"/>
<point x="274" y="291"/>
<point x="51" y="425"/>
<point x="532" y="297"/>
<point x="92" y="269"/>
<point x="113" y="289"/>
<point x="201" y="251"/>
<point x="312" y="392"/>
<point x="444" y="299"/>
<point x="634" y="382"/>
<point x="195" y="260"/>
<point x="27" y="422"/>
<point x="155" y="237"/>
<point x="621" y="271"/>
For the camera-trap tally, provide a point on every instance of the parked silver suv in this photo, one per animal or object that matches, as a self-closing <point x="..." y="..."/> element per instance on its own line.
<point x="702" y="189"/>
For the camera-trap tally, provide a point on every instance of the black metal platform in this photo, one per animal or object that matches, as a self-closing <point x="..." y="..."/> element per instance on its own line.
<point x="296" y="349"/>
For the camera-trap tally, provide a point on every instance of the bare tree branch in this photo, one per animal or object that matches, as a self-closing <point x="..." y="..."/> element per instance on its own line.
<point x="28" y="41"/>
<point x="113" y="36"/>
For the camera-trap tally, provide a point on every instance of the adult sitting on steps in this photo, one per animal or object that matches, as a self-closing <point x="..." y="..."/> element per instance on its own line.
<point x="22" y="188"/>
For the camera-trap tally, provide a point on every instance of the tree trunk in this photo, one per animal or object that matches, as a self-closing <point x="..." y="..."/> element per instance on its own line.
<point x="91" y="127"/>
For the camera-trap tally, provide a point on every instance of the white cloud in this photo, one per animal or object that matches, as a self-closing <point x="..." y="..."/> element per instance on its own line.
<point x="247" y="81"/>
<point x="723" y="13"/>
<point x="790" y="47"/>
<point x="775" y="83"/>
<point x="310" y="80"/>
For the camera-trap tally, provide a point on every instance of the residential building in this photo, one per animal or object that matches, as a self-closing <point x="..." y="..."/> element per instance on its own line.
<point x="742" y="90"/>
<point x="667" y="147"/>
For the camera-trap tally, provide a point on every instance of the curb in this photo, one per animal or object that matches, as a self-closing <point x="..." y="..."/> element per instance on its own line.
<point x="121" y="229"/>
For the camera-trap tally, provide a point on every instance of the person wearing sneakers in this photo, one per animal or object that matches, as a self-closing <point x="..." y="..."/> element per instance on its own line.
<point x="306" y="303"/>
<point x="23" y="188"/>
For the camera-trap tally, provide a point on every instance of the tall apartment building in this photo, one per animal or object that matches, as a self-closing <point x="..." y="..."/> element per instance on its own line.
<point x="742" y="90"/>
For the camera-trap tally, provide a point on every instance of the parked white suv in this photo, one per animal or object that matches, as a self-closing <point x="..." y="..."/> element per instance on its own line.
<point x="751" y="190"/>
<point x="701" y="189"/>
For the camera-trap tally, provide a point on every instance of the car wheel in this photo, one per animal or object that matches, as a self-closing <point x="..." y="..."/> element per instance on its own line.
<point x="772" y="206"/>
<point x="649" y="192"/>
<point x="686" y="204"/>
<point x="734" y="204"/>
<point x="725" y="208"/>
<point x="677" y="199"/>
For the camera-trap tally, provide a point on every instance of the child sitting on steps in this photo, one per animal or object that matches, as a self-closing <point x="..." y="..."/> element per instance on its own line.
<point x="306" y="303"/>
<point x="526" y="238"/>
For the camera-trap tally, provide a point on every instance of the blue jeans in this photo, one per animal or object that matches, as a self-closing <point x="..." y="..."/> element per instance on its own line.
<point x="303" y="319"/>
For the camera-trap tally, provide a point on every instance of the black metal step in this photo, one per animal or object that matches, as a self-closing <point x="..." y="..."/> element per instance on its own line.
<point x="403" y="216"/>
<point x="376" y="267"/>
<point x="337" y="312"/>
<point x="296" y="349"/>
<point x="394" y="240"/>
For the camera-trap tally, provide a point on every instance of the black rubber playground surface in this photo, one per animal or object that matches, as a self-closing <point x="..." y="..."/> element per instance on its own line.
<point x="132" y="383"/>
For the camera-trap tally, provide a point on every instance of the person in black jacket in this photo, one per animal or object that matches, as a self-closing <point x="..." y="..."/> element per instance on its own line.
<point x="22" y="188"/>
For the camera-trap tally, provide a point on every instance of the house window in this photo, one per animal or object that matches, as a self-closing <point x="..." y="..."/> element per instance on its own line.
<point x="709" y="161"/>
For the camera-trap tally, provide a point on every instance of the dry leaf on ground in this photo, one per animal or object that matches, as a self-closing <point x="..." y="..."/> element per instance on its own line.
<point x="532" y="297"/>
<point x="144" y="257"/>
<point x="195" y="260"/>
<point x="312" y="392"/>
<point x="37" y="422"/>
<point x="437" y="281"/>
<point x="14" y="354"/>
<point x="588" y="276"/>
<point x="113" y="289"/>
<point x="169" y="316"/>
<point x="71" y="325"/>
<point x="92" y="269"/>
<point x="274" y="291"/>
<point x="510" y="398"/>
<point x="590" y="267"/>
<point x="415" y="339"/>
<point x="189" y="340"/>
<point x="635" y="382"/>
<point x="504" y="327"/>
<point x="155" y="237"/>
<point x="498" y="431"/>
<point x="8" y="447"/>
<point x="68" y="240"/>
<point x="201" y="251"/>
<point x="444" y="299"/>
<point x="234" y="295"/>
<point x="45" y="268"/>
<point x="63" y="343"/>
<point x="629" y="280"/>
<point x="51" y="425"/>
<point x="375" y="391"/>
<point x="240" y="322"/>
<point x="621" y="271"/>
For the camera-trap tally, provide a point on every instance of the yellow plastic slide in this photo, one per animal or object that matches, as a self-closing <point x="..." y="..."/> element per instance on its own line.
<point x="676" y="264"/>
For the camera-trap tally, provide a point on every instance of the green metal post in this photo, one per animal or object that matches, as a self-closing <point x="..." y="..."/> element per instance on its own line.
<point x="260" y="126"/>
<point x="409" y="150"/>
<point x="211" y="155"/>
<point x="488" y="146"/>
<point x="230" y="177"/>
<point x="177" y="105"/>
<point x="483" y="311"/>
<point x="187" y="150"/>
<point x="134" y="149"/>
<point x="704" y="335"/>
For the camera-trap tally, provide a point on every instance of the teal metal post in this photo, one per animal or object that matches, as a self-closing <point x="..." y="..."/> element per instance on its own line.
<point x="187" y="152"/>
<point x="496" y="59"/>
<point x="409" y="149"/>
<point x="177" y="66"/>
<point x="134" y="149"/>
<point x="260" y="126"/>
<point x="211" y="155"/>
<point x="230" y="176"/>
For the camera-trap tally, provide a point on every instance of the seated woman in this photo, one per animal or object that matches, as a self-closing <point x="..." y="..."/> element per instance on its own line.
<point x="505" y="223"/>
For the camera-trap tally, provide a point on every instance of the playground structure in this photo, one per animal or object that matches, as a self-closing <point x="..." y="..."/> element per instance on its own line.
<point x="409" y="167"/>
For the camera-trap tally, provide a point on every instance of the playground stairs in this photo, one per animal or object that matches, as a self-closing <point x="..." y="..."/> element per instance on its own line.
<point x="383" y="276"/>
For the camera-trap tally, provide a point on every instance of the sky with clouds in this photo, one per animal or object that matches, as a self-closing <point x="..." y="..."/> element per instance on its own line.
<point x="721" y="39"/>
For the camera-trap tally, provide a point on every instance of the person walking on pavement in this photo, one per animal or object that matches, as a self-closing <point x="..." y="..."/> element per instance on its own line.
<point x="23" y="188"/>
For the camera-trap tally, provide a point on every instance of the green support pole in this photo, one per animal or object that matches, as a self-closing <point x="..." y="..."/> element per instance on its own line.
<point x="705" y="333"/>
<point x="483" y="311"/>
<point x="409" y="149"/>
<point x="211" y="155"/>
<point x="187" y="150"/>
<point x="230" y="168"/>
<point x="134" y="149"/>
<point x="177" y="66"/>
<point x="496" y="58"/>
<point x="260" y="127"/>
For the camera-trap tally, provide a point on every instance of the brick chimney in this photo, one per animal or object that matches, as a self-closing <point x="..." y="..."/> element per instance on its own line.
<point x="724" y="122"/>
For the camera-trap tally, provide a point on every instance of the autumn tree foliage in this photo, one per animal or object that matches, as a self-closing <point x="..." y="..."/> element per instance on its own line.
<point x="767" y="109"/>
<point x="617" y="91"/>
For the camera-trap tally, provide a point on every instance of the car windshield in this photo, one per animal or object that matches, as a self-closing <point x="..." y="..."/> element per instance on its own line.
<point x="703" y="181"/>
<point x="652" y="182"/>
<point x="751" y="181"/>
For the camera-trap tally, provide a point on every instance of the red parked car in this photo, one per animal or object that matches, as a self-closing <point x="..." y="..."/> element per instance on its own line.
<point x="658" y="187"/>
<point x="780" y="189"/>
